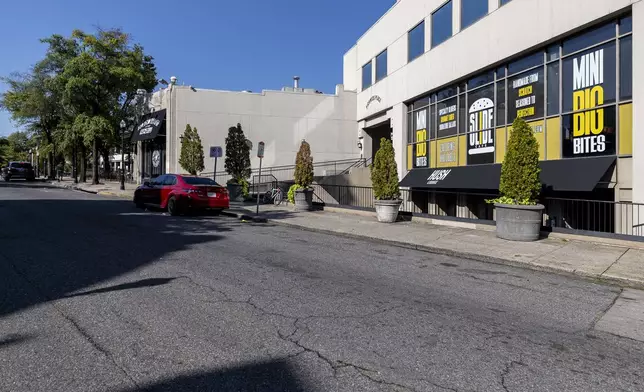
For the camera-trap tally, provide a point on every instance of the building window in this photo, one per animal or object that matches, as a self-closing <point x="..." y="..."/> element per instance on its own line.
<point x="381" y="65"/>
<point x="366" y="76"/>
<point x="626" y="68"/>
<point x="472" y="10"/>
<point x="503" y="2"/>
<point x="442" y="24"/>
<point x="416" y="41"/>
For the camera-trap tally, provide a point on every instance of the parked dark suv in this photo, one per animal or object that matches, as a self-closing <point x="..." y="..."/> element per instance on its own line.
<point x="18" y="170"/>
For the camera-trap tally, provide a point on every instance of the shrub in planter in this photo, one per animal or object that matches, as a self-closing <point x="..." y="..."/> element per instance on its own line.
<point x="518" y="214"/>
<point x="303" y="195"/>
<point x="291" y="192"/>
<point x="237" y="163"/>
<point x="384" y="177"/>
<point x="191" y="158"/>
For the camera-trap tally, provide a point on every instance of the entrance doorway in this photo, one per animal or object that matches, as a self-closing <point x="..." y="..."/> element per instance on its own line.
<point x="373" y="136"/>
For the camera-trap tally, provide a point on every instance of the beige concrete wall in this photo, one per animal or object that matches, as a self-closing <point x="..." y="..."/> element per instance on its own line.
<point x="280" y="119"/>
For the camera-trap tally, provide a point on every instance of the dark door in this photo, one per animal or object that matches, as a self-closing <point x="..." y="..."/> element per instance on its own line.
<point x="154" y="157"/>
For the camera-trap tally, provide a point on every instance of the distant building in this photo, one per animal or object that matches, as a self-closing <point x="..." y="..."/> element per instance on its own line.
<point x="281" y="119"/>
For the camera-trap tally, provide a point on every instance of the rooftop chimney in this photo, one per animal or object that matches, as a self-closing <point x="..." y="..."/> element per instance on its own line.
<point x="296" y="82"/>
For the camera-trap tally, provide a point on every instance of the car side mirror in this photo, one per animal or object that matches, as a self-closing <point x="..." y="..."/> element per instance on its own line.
<point x="146" y="183"/>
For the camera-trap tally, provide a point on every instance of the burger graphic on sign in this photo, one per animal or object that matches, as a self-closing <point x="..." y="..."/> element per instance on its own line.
<point x="481" y="137"/>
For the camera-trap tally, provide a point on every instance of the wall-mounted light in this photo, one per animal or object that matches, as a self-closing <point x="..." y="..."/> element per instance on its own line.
<point x="359" y="145"/>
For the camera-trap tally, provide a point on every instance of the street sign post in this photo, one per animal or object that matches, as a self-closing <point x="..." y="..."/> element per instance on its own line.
<point x="260" y="155"/>
<point x="215" y="152"/>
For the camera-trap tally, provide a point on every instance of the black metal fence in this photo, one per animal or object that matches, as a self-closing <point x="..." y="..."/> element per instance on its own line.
<point x="286" y="173"/>
<point x="568" y="215"/>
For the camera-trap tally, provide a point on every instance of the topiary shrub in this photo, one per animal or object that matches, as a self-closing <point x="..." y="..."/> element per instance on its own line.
<point x="384" y="172"/>
<point x="191" y="158"/>
<point x="304" y="166"/>
<point x="237" y="162"/>
<point x="520" y="183"/>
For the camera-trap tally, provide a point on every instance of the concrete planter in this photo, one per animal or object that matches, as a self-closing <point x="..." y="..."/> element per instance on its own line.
<point x="235" y="192"/>
<point x="387" y="210"/>
<point x="518" y="223"/>
<point x="304" y="200"/>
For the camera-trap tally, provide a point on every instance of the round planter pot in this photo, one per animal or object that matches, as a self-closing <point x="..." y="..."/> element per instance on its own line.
<point x="387" y="210"/>
<point x="518" y="223"/>
<point x="235" y="192"/>
<point x="304" y="200"/>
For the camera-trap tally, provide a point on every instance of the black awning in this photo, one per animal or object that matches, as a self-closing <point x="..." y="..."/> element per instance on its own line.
<point x="149" y="126"/>
<point x="576" y="175"/>
<point x="462" y="177"/>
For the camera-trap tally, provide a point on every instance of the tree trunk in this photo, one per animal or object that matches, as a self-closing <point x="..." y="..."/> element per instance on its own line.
<point x="50" y="165"/>
<point x="107" y="165"/>
<point x="83" y="163"/>
<point x="95" y="163"/>
<point x="75" y="163"/>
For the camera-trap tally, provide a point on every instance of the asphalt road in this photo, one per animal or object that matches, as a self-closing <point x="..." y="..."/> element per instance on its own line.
<point x="98" y="296"/>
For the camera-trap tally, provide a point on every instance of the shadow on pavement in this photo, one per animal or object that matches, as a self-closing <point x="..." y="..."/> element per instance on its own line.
<point x="274" y="376"/>
<point x="125" y="286"/>
<point x="11" y="340"/>
<point x="50" y="248"/>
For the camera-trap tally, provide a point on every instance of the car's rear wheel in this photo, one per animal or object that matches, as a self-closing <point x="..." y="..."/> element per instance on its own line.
<point x="173" y="206"/>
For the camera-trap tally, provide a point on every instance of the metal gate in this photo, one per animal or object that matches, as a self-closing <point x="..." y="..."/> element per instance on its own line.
<point x="154" y="158"/>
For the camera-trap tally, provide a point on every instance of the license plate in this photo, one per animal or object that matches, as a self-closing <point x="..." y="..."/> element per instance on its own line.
<point x="212" y="194"/>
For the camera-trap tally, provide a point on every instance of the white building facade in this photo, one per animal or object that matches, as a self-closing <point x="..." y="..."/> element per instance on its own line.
<point x="445" y="79"/>
<point x="281" y="119"/>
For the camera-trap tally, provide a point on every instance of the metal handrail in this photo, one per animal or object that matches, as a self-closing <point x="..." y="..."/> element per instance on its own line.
<point x="286" y="167"/>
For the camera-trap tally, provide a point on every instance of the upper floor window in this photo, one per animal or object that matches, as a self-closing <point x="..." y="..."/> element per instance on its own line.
<point x="366" y="76"/>
<point x="416" y="44"/>
<point x="442" y="24"/>
<point x="504" y="2"/>
<point x="471" y="11"/>
<point x="381" y="65"/>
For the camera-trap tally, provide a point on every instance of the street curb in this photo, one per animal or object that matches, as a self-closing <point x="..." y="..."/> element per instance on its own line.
<point x="622" y="282"/>
<point x="246" y="217"/>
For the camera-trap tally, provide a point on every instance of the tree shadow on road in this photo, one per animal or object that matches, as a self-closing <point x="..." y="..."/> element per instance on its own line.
<point x="53" y="247"/>
<point x="273" y="376"/>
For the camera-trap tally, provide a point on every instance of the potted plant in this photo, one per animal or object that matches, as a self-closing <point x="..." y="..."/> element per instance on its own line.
<point x="237" y="163"/>
<point x="518" y="213"/>
<point x="384" y="177"/>
<point x="303" y="199"/>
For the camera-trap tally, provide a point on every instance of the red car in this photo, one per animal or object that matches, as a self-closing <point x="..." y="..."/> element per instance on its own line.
<point x="179" y="194"/>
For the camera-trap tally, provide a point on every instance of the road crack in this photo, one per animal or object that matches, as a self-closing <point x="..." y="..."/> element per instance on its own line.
<point x="506" y="372"/>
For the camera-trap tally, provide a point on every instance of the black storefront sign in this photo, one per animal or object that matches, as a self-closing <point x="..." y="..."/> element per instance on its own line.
<point x="481" y="138"/>
<point x="526" y="95"/>
<point x="149" y="126"/>
<point x="447" y="118"/>
<point x="565" y="175"/>
<point x="589" y="85"/>
<point x="421" y="152"/>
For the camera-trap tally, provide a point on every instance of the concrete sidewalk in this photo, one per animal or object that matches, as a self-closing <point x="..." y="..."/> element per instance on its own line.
<point x="614" y="261"/>
<point x="109" y="188"/>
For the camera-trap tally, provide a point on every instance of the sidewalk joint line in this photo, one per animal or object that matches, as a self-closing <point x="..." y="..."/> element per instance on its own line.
<point x="615" y="262"/>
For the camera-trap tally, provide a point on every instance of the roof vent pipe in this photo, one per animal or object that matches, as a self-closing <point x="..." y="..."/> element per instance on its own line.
<point x="296" y="82"/>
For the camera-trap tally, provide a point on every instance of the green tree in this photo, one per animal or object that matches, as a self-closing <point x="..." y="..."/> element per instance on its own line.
<point x="192" y="157"/>
<point x="384" y="172"/>
<point x="100" y="83"/>
<point x="304" y="166"/>
<point x="237" y="163"/>
<point x="520" y="183"/>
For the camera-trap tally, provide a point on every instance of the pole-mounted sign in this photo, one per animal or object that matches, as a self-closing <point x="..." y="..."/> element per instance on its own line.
<point x="260" y="155"/>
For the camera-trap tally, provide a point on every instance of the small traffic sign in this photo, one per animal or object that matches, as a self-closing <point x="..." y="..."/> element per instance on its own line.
<point x="216" y="152"/>
<point x="260" y="150"/>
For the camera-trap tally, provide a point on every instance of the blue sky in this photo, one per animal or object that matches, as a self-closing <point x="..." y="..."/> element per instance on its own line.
<point x="229" y="45"/>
